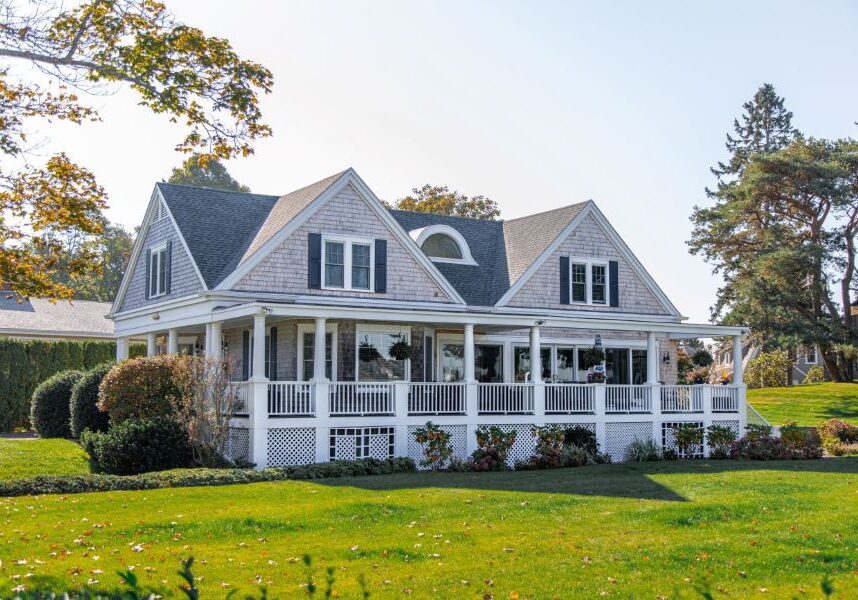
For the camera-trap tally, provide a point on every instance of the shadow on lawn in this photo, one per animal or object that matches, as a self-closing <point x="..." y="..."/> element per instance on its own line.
<point x="617" y="480"/>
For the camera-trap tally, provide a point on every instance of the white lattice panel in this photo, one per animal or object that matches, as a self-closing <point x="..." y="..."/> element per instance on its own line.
<point x="525" y="443"/>
<point x="733" y="425"/>
<point x="668" y="439"/>
<point x="238" y="444"/>
<point x="619" y="435"/>
<point x="588" y="426"/>
<point x="350" y="443"/>
<point x="458" y="439"/>
<point x="291" y="446"/>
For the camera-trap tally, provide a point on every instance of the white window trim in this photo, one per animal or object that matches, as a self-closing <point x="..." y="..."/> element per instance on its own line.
<point x="155" y="252"/>
<point x="377" y="328"/>
<point x="347" y="242"/>
<point x="420" y="235"/>
<point x="590" y="263"/>
<point x="815" y="360"/>
<point x="304" y="328"/>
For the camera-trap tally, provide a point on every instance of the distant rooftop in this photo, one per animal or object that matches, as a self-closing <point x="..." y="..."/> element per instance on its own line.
<point x="39" y="317"/>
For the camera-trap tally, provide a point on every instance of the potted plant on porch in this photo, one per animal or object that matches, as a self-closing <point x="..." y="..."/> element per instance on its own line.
<point x="400" y="349"/>
<point x="592" y="357"/>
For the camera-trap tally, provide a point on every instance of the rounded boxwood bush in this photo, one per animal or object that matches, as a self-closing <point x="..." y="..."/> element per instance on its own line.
<point x="139" y="445"/>
<point x="141" y="388"/>
<point x="49" y="408"/>
<point x="84" y="402"/>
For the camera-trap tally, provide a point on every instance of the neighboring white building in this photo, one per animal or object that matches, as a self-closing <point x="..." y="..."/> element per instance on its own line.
<point x="40" y="318"/>
<point x="307" y="292"/>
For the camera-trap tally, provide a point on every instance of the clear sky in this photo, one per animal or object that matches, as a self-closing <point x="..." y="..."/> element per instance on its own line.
<point x="534" y="104"/>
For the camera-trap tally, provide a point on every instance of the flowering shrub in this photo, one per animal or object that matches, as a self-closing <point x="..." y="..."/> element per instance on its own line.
<point x="493" y="446"/>
<point x="800" y="443"/>
<point x="814" y="375"/>
<point x="437" y="450"/>
<point x="720" y="437"/>
<point x="757" y="430"/>
<point x="549" y="448"/>
<point x="697" y="375"/>
<point x="769" y="369"/>
<point x="837" y="435"/>
<point x="689" y="439"/>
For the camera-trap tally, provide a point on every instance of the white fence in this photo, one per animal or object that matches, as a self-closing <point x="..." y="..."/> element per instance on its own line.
<point x="437" y="399"/>
<point x="567" y="399"/>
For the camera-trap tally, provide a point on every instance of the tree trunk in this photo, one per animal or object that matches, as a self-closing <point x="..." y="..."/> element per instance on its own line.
<point x="830" y="360"/>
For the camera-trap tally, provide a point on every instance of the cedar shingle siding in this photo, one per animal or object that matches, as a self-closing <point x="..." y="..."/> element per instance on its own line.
<point x="588" y="240"/>
<point x="184" y="280"/>
<point x="284" y="270"/>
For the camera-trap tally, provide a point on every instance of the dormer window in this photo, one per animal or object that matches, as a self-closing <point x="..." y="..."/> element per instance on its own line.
<point x="443" y="244"/>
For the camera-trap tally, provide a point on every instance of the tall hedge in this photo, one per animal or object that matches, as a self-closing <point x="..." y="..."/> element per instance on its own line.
<point x="24" y="364"/>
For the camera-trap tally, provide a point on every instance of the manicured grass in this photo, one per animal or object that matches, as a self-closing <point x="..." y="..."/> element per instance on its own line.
<point x="23" y="458"/>
<point x="807" y="404"/>
<point x="745" y="529"/>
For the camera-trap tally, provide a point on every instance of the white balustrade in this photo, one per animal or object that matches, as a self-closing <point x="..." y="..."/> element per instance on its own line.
<point x="681" y="399"/>
<point x="505" y="398"/>
<point x="436" y="399"/>
<point x="627" y="399"/>
<point x="242" y="392"/>
<point x="290" y="399"/>
<point x="570" y="398"/>
<point x="359" y="399"/>
<point x="725" y="398"/>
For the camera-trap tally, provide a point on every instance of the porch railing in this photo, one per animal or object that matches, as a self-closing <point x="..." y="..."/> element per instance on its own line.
<point x="241" y="389"/>
<point x="505" y="398"/>
<point x="725" y="398"/>
<point x="290" y="399"/>
<point x="570" y="399"/>
<point x="627" y="399"/>
<point x="681" y="399"/>
<point x="437" y="399"/>
<point x="350" y="398"/>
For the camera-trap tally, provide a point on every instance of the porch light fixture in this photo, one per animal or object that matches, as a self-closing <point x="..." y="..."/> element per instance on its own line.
<point x="539" y="322"/>
<point x="666" y="358"/>
<point x="597" y="343"/>
<point x="156" y="316"/>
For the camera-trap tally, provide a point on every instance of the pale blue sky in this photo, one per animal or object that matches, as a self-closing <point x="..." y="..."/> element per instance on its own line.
<point x="535" y="104"/>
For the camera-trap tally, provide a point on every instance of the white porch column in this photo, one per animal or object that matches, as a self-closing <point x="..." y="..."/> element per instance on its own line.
<point x="217" y="340"/>
<point x="321" y="391"/>
<point x="151" y="344"/>
<point x="536" y="372"/>
<point x="121" y="348"/>
<point x="208" y="340"/>
<point x="469" y="353"/>
<point x="259" y="404"/>
<point x="472" y="398"/>
<point x="652" y="361"/>
<point x="173" y="341"/>
<point x="319" y="350"/>
<point x="737" y="360"/>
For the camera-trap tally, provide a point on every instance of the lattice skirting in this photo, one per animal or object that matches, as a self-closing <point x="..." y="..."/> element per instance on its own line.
<point x="458" y="439"/>
<point x="351" y="443"/>
<point x="291" y="446"/>
<point x="668" y="438"/>
<point x="619" y="435"/>
<point x="238" y="444"/>
<point x="525" y="443"/>
<point x="733" y="425"/>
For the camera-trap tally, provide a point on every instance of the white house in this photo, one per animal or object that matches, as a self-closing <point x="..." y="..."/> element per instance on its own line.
<point x="307" y="292"/>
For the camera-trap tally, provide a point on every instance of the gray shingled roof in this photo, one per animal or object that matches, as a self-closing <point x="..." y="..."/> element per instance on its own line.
<point x="484" y="283"/>
<point x="217" y="225"/>
<point x="223" y="228"/>
<point x="78" y="318"/>
<point x="526" y="238"/>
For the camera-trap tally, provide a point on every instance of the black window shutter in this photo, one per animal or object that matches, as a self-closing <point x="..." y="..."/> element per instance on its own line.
<point x="381" y="266"/>
<point x="272" y="354"/>
<point x="614" y="282"/>
<point x="169" y="266"/>
<point x="314" y="261"/>
<point x="148" y="272"/>
<point x="245" y="355"/>
<point x="564" y="280"/>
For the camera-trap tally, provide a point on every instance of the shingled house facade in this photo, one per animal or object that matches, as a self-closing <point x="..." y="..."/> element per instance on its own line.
<point x="348" y="325"/>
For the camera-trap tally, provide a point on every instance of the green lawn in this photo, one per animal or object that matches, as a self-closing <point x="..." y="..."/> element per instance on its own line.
<point x="21" y="458"/>
<point x="746" y="529"/>
<point x="807" y="404"/>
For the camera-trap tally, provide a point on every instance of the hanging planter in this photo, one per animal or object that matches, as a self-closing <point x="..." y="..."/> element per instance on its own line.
<point x="592" y="357"/>
<point x="400" y="349"/>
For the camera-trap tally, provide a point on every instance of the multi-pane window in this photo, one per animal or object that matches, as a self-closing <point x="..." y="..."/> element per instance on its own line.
<point x="309" y="341"/>
<point x="334" y="264"/>
<point x="600" y="283"/>
<point x="348" y="263"/>
<point x="158" y="272"/>
<point x="579" y="282"/>
<point x="360" y="266"/>
<point x="374" y="362"/>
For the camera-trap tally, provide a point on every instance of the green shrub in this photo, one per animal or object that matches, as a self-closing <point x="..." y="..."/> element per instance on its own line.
<point x="646" y="450"/>
<point x="83" y="407"/>
<point x="24" y="364"/>
<point x="689" y="439"/>
<point x="139" y="446"/>
<point x="702" y="358"/>
<point x="814" y="375"/>
<point x="764" y="447"/>
<point x="98" y="482"/>
<point x="437" y="450"/>
<point x="575" y="456"/>
<point x="493" y="446"/>
<point x="141" y="388"/>
<point x="757" y="430"/>
<point x="719" y="437"/>
<point x="581" y="437"/>
<point x="769" y="369"/>
<point x="837" y="435"/>
<point x="49" y="410"/>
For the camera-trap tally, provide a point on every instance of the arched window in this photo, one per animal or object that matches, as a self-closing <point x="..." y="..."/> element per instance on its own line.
<point x="442" y="243"/>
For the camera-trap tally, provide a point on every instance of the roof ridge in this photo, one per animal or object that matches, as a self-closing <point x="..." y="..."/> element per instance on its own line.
<point x="214" y="189"/>
<point x="431" y="214"/>
<point x="309" y="185"/>
<point x="550" y="210"/>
